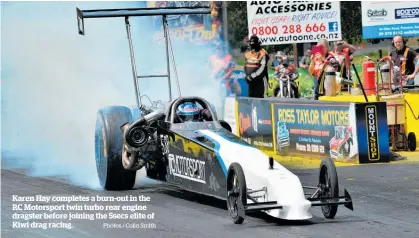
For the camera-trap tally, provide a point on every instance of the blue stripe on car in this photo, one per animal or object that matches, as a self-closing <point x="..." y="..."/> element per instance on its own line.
<point x="217" y="154"/>
<point x="237" y="140"/>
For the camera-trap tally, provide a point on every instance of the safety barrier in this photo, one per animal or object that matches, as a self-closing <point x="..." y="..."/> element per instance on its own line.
<point x="345" y="131"/>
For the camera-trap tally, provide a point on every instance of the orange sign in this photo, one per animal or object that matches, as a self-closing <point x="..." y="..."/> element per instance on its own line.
<point x="244" y="123"/>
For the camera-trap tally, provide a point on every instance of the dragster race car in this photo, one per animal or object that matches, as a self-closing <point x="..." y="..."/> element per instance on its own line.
<point x="202" y="155"/>
<point x="217" y="162"/>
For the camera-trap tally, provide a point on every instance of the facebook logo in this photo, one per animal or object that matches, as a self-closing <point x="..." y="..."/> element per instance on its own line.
<point x="333" y="26"/>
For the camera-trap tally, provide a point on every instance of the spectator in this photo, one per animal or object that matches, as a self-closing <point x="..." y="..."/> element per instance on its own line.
<point x="343" y="54"/>
<point x="317" y="66"/>
<point x="256" y="69"/>
<point x="306" y="60"/>
<point x="221" y="66"/>
<point x="278" y="59"/>
<point x="317" y="60"/>
<point x="405" y="58"/>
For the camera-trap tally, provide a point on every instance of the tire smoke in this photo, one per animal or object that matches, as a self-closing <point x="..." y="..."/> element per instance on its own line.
<point x="54" y="80"/>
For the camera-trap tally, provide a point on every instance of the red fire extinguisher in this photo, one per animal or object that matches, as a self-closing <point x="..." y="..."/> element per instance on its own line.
<point x="368" y="77"/>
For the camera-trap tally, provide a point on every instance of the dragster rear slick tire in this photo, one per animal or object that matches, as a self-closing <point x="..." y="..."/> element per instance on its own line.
<point x="328" y="172"/>
<point x="108" y="148"/>
<point x="236" y="196"/>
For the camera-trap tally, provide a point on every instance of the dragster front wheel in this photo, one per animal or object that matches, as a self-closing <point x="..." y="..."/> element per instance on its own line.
<point x="329" y="187"/>
<point x="108" y="148"/>
<point x="236" y="193"/>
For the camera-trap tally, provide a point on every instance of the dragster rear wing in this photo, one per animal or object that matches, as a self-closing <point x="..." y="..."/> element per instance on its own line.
<point x="132" y="12"/>
<point x="128" y="12"/>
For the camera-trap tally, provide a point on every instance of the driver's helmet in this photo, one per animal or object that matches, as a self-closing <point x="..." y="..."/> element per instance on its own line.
<point x="188" y="111"/>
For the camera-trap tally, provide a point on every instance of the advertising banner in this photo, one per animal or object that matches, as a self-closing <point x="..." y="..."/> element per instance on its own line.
<point x="197" y="29"/>
<point x="255" y="122"/>
<point x="383" y="19"/>
<point x="372" y="132"/>
<point x="314" y="129"/>
<point x="285" y="22"/>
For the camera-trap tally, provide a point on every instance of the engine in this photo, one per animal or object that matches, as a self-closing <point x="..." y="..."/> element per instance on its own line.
<point x="140" y="141"/>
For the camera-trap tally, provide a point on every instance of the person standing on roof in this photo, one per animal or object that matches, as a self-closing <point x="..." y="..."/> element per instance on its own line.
<point x="256" y="69"/>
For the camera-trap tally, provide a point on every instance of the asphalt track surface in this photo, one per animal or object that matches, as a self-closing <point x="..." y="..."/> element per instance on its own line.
<point x="385" y="202"/>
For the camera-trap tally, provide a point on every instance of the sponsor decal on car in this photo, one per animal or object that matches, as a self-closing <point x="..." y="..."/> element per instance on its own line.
<point x="187" y="168"/>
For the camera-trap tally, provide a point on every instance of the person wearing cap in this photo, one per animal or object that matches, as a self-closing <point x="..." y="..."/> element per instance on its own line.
<point x="279" y="59"/>
<point x="256" y="69"/>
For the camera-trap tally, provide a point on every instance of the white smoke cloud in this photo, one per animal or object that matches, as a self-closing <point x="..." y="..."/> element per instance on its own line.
<point x="54" y="81"/>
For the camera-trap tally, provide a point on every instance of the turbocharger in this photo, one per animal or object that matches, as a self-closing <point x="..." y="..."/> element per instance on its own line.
<point x="136" y="141"/>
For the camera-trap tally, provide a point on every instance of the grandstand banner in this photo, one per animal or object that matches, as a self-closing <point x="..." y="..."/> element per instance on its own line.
<point x="196" y="29"/>
<point x="386" y="19"/>
<point x="255" y="122"/>
<point x="286" y="22"/>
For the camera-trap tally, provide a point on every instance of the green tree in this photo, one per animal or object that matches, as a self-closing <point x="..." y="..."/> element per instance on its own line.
<point x="351" y="21"/>
<point x="237" y="21"/>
